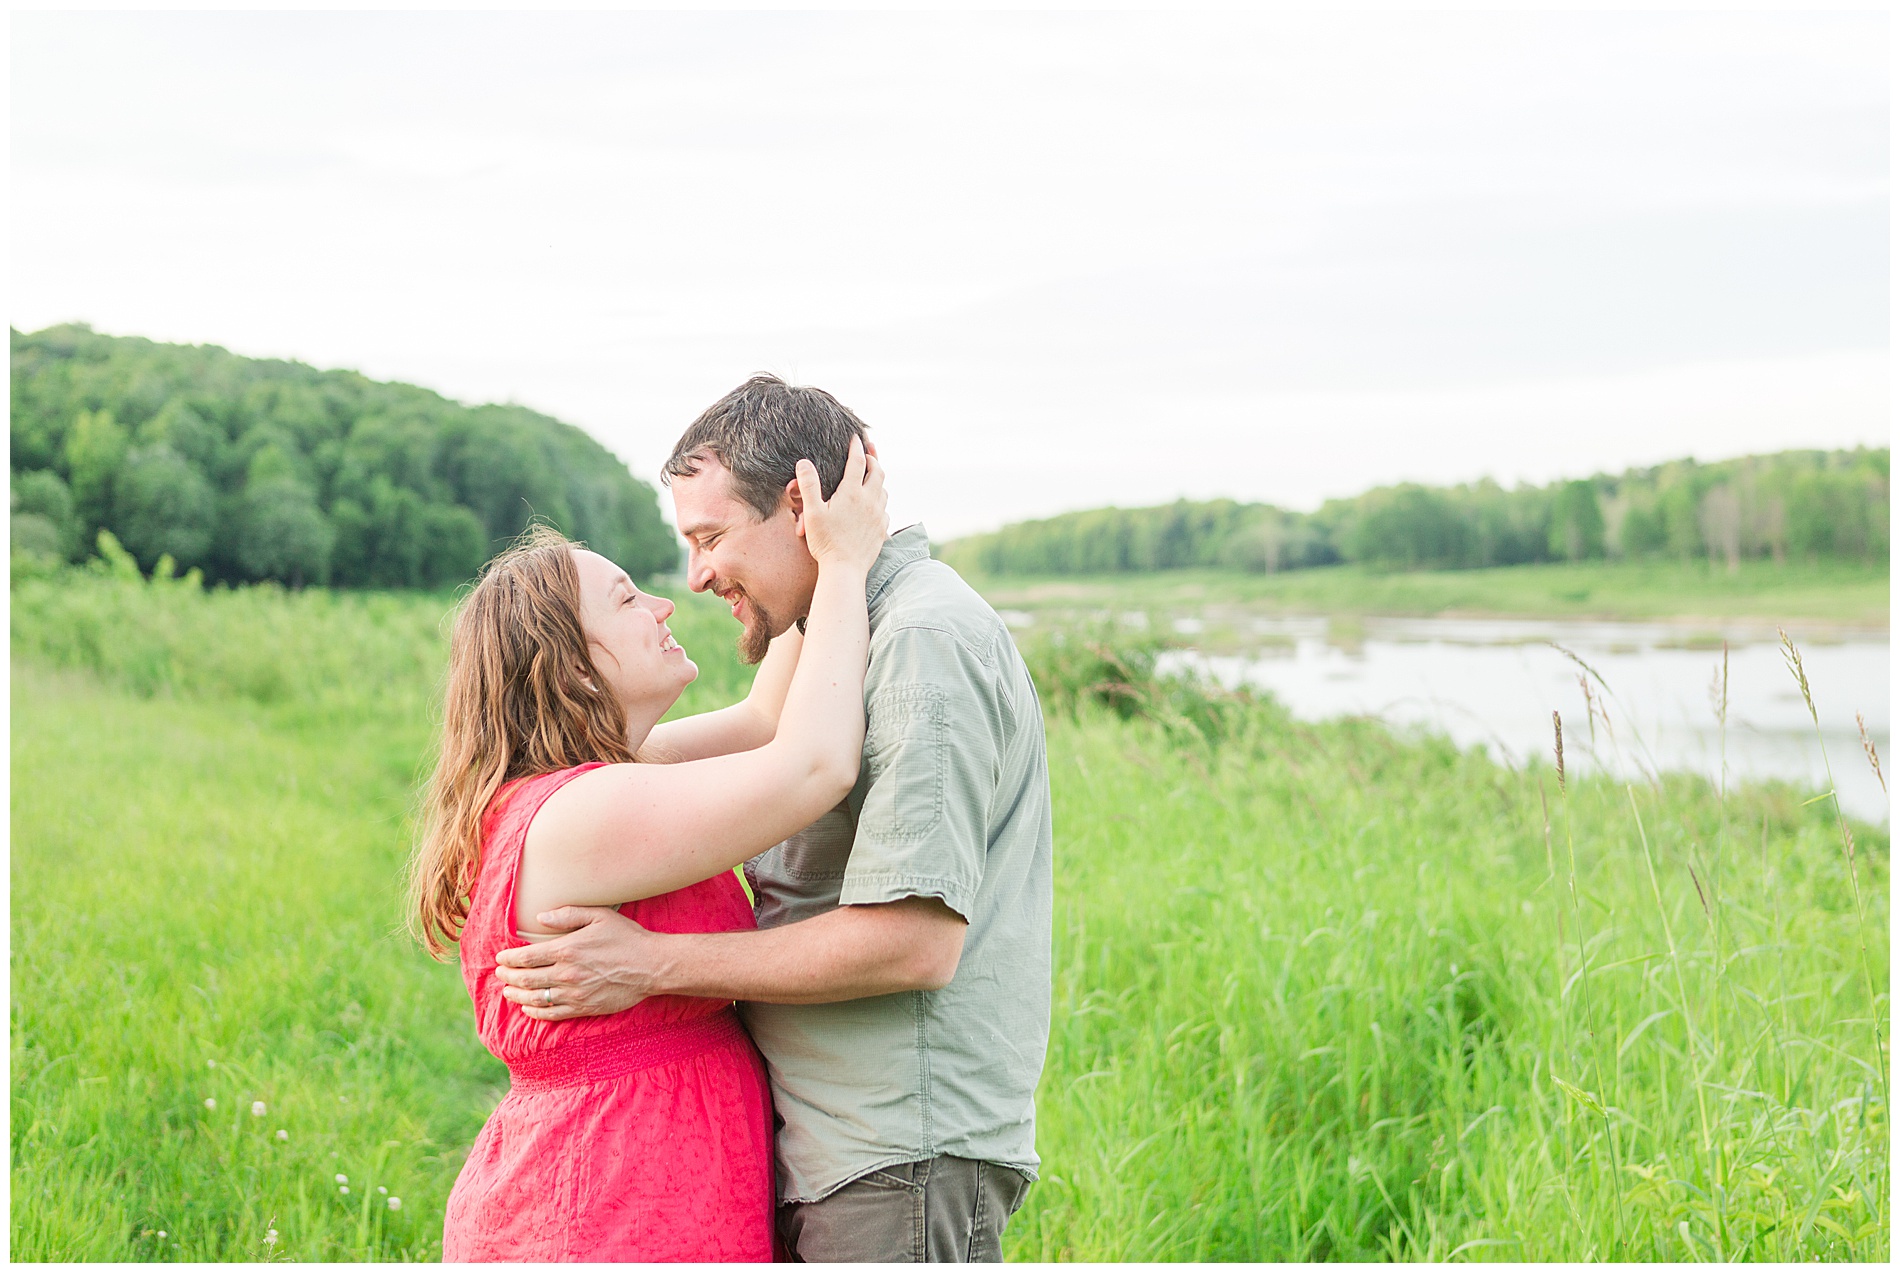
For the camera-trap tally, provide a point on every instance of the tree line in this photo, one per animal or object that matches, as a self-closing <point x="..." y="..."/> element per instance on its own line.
<point x="253" y="469"/>
<point x="1793" y="506"/>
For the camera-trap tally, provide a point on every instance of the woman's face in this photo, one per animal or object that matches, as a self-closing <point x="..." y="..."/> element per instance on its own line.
<point x="628" y="638"/>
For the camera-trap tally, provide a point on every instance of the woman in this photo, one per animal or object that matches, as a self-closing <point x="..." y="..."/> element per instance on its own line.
<point x="645" y="1135"/>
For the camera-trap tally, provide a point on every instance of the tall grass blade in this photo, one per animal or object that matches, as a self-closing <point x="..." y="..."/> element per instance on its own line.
<point x="1791" y="654"/>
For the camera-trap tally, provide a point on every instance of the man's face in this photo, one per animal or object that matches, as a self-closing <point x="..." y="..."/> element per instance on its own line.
<point x="757" y="566"/>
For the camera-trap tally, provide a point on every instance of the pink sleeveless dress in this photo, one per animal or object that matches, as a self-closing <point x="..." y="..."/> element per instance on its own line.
<point x="645" y="1135"/>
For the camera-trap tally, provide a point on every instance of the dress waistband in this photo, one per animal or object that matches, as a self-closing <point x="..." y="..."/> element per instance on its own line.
<point x="603" y="1057"/>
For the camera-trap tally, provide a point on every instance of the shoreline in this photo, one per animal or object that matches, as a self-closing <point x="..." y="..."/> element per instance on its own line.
<point x="1852" y="601"/>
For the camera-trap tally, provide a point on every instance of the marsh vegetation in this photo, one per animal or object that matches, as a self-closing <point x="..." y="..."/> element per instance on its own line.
<point x="1322" y="992"/>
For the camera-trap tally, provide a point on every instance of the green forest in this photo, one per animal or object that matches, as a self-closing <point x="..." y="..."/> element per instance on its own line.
<point x="1801" y="506"/>
<point x="253" y="469"/>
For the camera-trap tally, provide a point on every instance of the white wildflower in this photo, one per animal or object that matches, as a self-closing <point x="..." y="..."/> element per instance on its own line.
<point x="343" y="1189"/>
<point x="210" y="1064"/>
<point x="342" y="1179"/>
<point x="395" y="1203"/>
<point x="382" y="1188"/>
<point x="163" y="1234"/>
<point x="270" y="1237"/>
<point x="257" y="1109"/>
<point x="282" y="1134"/>
<point x="211" y="1102"/>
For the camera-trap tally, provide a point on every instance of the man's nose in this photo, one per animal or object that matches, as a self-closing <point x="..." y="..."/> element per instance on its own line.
<point x="699" y="575"/>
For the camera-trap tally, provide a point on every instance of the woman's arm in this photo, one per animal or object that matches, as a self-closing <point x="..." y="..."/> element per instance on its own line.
<point x="749" y="723"/>
<point x="624" y="832"/>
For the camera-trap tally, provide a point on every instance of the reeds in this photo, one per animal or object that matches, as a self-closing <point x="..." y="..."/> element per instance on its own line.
<point x="1792" y="655"/>
<point x="1589" y="1100"/>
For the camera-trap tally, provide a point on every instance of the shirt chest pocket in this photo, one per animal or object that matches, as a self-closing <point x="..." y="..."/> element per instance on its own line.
<point x="905" y="756"/>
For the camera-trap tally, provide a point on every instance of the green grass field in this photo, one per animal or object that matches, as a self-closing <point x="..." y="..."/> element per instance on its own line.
<point x="1321" y="992"/>
<point x="1832" y="591"/>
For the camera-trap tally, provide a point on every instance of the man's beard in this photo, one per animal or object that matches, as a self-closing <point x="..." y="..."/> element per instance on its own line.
<point x="755" y="637"/>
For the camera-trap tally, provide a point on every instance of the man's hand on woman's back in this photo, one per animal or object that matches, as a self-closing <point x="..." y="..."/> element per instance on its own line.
<point x="601" y="965"/>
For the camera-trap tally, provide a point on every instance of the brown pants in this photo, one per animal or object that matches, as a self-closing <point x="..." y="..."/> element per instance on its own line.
<point x="943" y="1210"/>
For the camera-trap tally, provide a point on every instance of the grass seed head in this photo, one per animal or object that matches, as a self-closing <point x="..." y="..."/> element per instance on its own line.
<point x="1873" y="754"/>
<point x="1791" y="655"/>
<point x="1557" y="723"/>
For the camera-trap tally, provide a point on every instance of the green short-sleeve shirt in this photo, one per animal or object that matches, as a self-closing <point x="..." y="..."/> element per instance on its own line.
<point x="952" y="802"/>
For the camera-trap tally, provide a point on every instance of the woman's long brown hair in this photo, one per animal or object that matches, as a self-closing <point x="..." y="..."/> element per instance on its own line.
<point x="520" y="700"/>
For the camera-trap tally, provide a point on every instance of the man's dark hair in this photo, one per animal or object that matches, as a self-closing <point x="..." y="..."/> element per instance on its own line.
<point x="760" y="431"/>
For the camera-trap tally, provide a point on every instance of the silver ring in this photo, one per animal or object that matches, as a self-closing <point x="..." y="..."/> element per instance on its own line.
<point x="547" y="995"/>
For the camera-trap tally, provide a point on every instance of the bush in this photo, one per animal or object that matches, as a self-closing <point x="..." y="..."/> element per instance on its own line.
<point x="330" y="651"/>
<point x="36" y="537"/>
<point x="171" y="636"/>
<point x="1104" y="668"/>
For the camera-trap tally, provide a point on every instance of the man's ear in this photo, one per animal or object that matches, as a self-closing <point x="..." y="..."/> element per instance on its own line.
<point x="797" y="503"/>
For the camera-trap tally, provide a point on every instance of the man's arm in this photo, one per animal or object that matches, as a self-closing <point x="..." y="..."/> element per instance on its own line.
<point x="608" y="963"/>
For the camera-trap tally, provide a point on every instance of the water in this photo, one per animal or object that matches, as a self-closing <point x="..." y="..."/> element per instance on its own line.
<point x="1495" y="682"/>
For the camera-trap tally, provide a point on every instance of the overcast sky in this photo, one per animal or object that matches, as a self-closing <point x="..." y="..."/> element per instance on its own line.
<point x="1055" y="261"/>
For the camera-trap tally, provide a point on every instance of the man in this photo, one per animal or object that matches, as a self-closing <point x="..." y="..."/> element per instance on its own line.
<point x="898" y="985"/>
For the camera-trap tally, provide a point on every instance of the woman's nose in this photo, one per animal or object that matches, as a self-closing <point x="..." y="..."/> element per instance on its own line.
<point x="661" y="607"/>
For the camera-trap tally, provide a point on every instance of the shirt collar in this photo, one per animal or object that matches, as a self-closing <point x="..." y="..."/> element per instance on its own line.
<point x="908" y="545"/>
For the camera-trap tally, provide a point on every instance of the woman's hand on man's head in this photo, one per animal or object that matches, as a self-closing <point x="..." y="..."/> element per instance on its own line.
<point x="850" y="528"/>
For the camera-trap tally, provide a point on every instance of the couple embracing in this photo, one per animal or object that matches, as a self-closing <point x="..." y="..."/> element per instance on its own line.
<point x="841" y="1066"/>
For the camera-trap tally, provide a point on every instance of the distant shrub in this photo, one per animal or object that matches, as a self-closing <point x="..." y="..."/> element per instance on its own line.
<point x="171" y="635"/>
<point x="351" y="652"/>
<point x="36" y="538"/>
<point x="1104" y="668"/>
